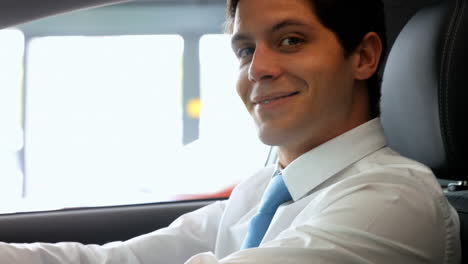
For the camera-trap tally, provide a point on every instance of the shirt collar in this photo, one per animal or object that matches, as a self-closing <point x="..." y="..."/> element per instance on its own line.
<point x="319" y="164"/>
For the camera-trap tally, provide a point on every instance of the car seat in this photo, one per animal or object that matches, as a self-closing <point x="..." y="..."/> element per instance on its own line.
<point x="424" y="92"/>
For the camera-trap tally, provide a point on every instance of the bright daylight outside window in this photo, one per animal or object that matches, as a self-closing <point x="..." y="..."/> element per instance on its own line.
<point x="11" y="142"/>
<point x="103" y="119"/>
<point x="103" y="122"/>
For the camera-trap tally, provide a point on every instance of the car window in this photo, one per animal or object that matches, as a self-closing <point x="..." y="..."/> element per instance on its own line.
<point x="119" y="105"/>
<point x="11" y="138"/>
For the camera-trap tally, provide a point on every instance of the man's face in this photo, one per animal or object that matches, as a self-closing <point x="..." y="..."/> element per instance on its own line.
<point x="294" y="78"/>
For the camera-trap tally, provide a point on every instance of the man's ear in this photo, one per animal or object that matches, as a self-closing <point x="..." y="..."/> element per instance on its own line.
<point x="367" y="56"/>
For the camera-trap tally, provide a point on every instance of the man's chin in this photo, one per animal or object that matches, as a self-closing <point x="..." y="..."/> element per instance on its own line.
<point x="271" y="137"/>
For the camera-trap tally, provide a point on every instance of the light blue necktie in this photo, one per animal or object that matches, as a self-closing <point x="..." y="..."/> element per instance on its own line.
<point x="275" y="194"/>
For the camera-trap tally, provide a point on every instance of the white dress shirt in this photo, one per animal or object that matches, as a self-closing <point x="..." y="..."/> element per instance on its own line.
<point x="354" y="201"/>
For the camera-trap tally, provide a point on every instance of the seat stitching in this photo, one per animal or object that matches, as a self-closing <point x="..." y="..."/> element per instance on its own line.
<point x="441" y="75"/>
<point x="457" y="27"/>
<point x="446" y="61"/>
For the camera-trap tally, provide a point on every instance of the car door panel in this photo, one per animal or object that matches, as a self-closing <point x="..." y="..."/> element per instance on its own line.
<point x="92" y="225"/>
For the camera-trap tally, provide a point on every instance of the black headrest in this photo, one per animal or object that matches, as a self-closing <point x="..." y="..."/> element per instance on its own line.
<point x="425" y="89"/>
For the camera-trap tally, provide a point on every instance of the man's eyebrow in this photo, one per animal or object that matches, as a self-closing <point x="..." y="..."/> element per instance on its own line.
<point x="283" y="24"/>
<point x="288" y="23"/>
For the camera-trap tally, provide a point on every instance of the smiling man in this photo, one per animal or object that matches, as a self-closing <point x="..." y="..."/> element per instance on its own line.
<point x="307" y="76"/>
<point x="300" y="85"/>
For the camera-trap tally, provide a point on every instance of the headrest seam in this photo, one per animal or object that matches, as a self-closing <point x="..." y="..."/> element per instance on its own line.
<point x="449" y="43"/>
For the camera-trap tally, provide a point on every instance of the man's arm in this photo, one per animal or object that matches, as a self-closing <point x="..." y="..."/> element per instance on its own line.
<point x="190" y="234"/>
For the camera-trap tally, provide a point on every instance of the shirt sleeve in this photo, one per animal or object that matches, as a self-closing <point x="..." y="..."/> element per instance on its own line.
<point x="362" y="221"/>
<point x="190" y="234"/>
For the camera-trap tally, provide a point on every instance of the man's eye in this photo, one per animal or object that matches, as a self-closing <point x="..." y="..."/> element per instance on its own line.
<point x="291" y="41"/>
<point x="245" y="52"/>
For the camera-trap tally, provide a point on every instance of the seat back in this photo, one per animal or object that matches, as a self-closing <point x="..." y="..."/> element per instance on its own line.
<point x="459" y="200"/>
<point x="424" y="90"/>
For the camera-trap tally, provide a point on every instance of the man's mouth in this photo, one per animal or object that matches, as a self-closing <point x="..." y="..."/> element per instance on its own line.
<point x="272" y="98"/>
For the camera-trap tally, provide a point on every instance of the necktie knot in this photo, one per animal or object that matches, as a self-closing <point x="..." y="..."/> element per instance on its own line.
<point x="275" y="194"/>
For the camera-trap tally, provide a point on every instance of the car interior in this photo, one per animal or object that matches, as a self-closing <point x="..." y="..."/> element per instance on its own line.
<point x="422" y="114"/>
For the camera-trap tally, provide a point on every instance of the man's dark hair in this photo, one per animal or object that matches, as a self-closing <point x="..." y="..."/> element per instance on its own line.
<point x="350" y="20"/>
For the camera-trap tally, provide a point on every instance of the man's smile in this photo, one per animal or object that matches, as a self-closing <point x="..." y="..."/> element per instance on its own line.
<point x="273" y="97"/>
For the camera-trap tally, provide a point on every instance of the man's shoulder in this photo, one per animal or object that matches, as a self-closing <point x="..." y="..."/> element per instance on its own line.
<point x="387" y="157"/>
<point x="388" y="167"/>
<point x="387" y="178"/>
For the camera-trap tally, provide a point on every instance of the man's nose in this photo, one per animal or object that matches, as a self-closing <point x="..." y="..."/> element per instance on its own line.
<point x="263" y="65"/>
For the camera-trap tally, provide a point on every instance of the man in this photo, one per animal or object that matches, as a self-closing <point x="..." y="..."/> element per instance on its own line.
<point x="307" y="76"/>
